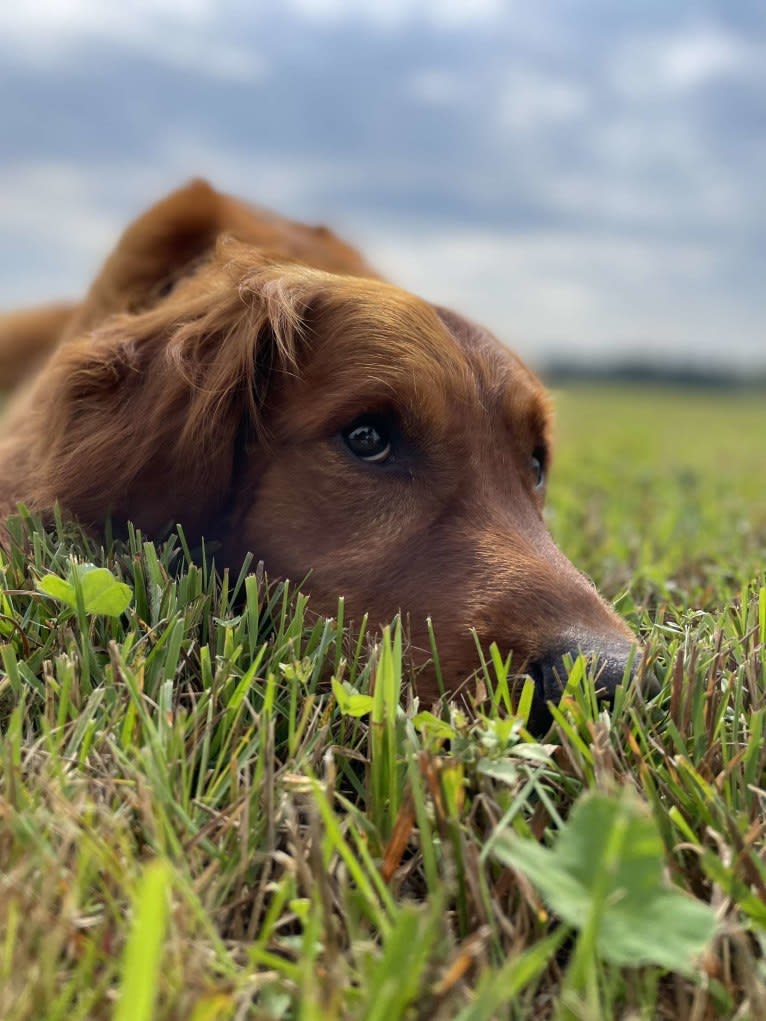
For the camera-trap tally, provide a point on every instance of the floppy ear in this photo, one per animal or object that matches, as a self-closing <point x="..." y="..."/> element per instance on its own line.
<point x="141" y="419"/>
<point x="171" y="239"/>
<point x="156" y="250"/>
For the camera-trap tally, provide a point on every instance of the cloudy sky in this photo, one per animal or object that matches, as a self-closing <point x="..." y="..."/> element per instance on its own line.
<point x="587" y="179"/>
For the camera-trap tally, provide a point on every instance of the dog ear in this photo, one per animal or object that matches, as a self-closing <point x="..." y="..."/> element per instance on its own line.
<point x="141" y="418"/>
<point x="156" y="250"/>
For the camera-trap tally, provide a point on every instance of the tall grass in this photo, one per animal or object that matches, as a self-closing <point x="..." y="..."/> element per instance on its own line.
<point x="218" y="806"/>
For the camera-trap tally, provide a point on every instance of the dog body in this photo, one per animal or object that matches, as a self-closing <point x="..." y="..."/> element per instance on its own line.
<point x="253" y="379"/>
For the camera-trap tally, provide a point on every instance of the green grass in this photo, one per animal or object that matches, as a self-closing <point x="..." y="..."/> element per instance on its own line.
<point x="197" y="824"/>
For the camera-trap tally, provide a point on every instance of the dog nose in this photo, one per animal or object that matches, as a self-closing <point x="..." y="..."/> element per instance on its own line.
<point x="611" y="661"/>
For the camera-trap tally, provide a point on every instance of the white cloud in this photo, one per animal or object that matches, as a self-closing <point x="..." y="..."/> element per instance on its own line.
<point x="652" y="64"/>
<point x="697" y="194"/>
<point x="54" y="232"/>
<point x="40" y="200"/>
<point x="696" y="58"/>
<point x="93" y="17"/>
<point x="531" y="100"/>
<point x="292" y="185"/>
<point x="436" y="87"/>
<point x="580" y="297"/>
<point x="443" y="13"/>
<point x="177" y="33"/>
<point x="644" y="208"/>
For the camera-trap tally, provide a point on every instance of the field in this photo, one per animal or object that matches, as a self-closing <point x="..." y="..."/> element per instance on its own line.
<point x="196" y="824"/>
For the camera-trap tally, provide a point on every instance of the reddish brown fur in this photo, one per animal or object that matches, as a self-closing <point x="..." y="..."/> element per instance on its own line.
<point x="26" y="340"/>
<point x="220" y="403"/>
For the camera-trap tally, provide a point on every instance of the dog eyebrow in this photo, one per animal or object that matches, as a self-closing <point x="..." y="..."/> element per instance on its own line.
<point x="389" y="345"/>
<point x="507" y="388"/>
<point x="526" y="413"/>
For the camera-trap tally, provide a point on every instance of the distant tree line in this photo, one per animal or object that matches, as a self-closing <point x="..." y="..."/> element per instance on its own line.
<point x="560" y="371"/>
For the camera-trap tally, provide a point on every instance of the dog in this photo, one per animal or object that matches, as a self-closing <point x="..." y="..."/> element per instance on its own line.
<point x="255" y="380"/>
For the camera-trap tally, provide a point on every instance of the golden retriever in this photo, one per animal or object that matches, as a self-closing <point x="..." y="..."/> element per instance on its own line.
<point x="253" y="379"/>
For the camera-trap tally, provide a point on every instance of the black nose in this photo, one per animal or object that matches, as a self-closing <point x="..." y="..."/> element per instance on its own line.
<point x="611" y="662"/>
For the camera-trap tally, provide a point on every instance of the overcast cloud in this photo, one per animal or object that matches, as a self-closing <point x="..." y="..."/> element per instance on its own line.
<point x="584" y="178"/>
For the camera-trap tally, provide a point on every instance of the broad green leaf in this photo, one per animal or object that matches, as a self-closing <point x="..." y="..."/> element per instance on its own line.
<point x="432" y="726"/>
<point x="58" y="589"/>
<point x="504" y="770"/>
<point x="350" y="702"/>
<point x="609" y="858"/>
<point x="102" y="593"/>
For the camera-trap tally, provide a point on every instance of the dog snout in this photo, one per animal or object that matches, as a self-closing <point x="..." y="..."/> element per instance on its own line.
<point x="611" y="661"/>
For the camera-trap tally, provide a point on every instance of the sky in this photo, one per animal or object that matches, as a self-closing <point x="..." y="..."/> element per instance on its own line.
<point x="585" y="179"/>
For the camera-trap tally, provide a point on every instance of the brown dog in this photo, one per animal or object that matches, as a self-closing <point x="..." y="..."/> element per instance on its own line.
<point x="252" y="378"/>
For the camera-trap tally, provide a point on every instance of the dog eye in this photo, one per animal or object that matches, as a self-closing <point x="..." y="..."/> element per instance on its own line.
<point x="537" y="464"/>
<point x="369" y="440"/>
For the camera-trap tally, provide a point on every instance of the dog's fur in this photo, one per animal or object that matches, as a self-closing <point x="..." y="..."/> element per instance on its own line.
<point x="207" y="379"/>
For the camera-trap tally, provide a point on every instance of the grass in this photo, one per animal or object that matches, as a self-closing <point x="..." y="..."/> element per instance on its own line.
<point x="196" y="823"/>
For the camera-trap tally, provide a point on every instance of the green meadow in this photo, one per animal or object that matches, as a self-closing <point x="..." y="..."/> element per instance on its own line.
<point x="214" y="805"/>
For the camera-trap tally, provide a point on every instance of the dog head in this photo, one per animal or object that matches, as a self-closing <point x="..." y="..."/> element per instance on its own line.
<point x="349" y="434"/>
